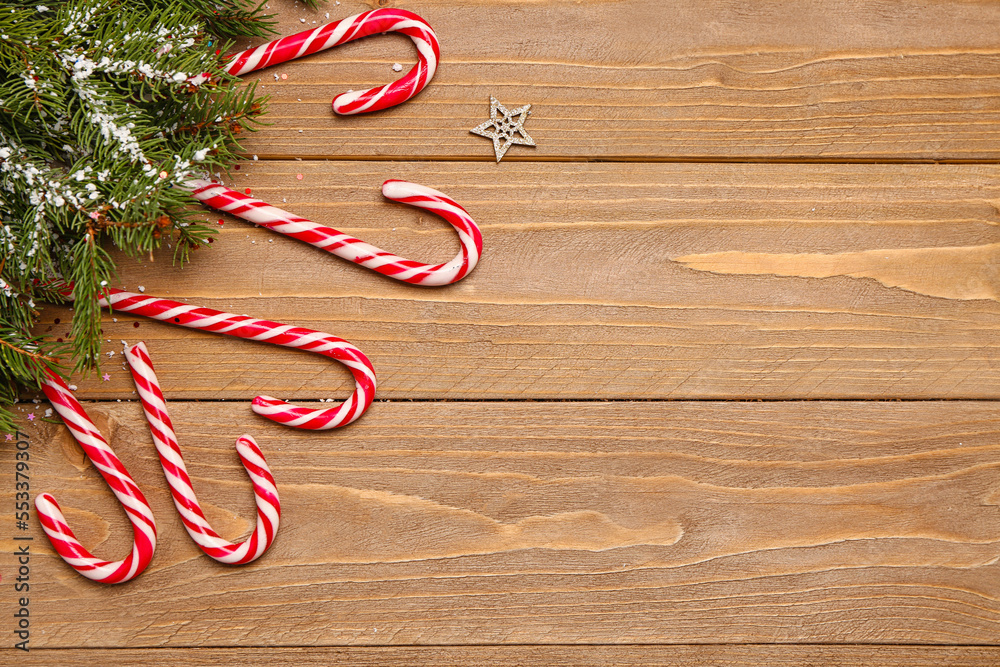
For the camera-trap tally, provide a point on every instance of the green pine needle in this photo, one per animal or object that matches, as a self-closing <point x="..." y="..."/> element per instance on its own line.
<point x="104" y="115"/>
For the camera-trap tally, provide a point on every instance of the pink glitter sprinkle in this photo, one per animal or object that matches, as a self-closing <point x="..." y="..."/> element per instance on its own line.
<point x="284" y="76"/>
<point x="163" y="174"/>
<point x="299" y="176"/>
<point x="94" y="215"/>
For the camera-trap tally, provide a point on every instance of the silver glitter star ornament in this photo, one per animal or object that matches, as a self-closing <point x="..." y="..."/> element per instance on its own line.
<point x="505" y="128"/>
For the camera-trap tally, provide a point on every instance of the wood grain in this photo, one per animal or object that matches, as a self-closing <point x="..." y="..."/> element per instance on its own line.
<point x="529" y="523"/>
<point x="644" y="265"/>
<point x="654" y="80"/>
<point x="531" y="656"/>
<point x="587" y="287"/>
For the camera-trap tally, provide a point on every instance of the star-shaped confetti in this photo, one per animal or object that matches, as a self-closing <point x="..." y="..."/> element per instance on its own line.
<point x="9" y="437"/>
<point x="505" y="128"/>
<point x="31" y="416"/>
<point x="106" y="377"/>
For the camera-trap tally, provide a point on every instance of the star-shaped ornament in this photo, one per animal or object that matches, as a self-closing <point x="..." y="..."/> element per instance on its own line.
<point x="505" y="128"/>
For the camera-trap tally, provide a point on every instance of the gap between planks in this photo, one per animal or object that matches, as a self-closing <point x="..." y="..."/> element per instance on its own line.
<point x="707" y="159"/>
<point x="624" y="655"/>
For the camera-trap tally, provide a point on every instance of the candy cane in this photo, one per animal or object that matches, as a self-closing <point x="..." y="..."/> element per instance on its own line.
<point x="327" y="238"/>
<point x="136" y="507"/>
<point x="241" y="326"/>
<point x="263" y="214"/>
<point x="340" y="32"/>
<point x="165" y="439"/>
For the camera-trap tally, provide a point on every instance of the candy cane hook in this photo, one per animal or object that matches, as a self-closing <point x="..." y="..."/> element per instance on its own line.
<point x="185" y="500"/>
<point x="326" y="238"/>
<point x="241" y="326"/>
<point x="124" y="487"/>
<point x="347" y="30"/>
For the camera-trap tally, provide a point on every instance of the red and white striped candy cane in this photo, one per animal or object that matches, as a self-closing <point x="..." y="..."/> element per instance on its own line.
<point x="165" y="439"/>
<point x="136" y="507"/>
<point x="339" y="32"/>
<point x="263" y="214"/>
<point x="327" y="238"/>
<point x="241" y="326"/>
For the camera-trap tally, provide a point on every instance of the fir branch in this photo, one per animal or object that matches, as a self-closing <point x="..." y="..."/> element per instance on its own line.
<point x="26" y="352"/>
<point x="109" y="107"/>
<point x="24" y="363"/>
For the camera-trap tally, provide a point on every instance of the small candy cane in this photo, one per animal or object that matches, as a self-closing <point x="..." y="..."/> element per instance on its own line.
<point x="136" y="507"/>
<point x="241" y="326"/>
<point x="165" y="439"/>
<point x="263" y="214"/>
<point x="340" y="32"/>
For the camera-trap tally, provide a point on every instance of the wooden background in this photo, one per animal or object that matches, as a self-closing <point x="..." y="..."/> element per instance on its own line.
<point x="721" y="392"/>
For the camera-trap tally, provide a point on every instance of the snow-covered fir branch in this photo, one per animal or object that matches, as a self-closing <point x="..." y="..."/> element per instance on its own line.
<point x="108" y="108"/>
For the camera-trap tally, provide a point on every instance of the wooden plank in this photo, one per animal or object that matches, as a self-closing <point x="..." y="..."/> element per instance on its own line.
<point x="648" y="79"/>
<point x="606" y="281"/>
<point x="531" y="656"/>
<point x="525" y="523"/>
